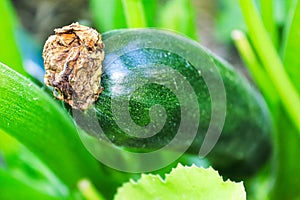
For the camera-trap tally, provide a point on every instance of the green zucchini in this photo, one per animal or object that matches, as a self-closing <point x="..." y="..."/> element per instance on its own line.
<point x="141" y="69"/>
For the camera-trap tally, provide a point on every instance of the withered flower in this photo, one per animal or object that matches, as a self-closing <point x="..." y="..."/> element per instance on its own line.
<point x="73" y="63"/>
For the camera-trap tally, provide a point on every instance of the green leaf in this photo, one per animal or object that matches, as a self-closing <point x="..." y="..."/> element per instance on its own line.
<point x="281" y="10"/>
<point x="179" y="15"/>
<point x="12" y="188"/>
<point x="286" y="186"/>
<point x="23" y="165"/>
<point x="27" y="167"/>
<point x="268" y="18"/>
<point x="37" y="121"/>
<point x="271" y="61"/>
<point x="9" y="52"/>
<point x="8" y="145"/>
<point x="134" y="13"/>
<point x="108" y="15"/>
<point x="258" y="73"/>
<point x="291" y="59"/>
<point x="150" y="8"/>
<point x="182" y="183"/>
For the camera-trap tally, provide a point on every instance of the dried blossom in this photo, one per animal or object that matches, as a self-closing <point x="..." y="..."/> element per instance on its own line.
<point x="73" y="63"/>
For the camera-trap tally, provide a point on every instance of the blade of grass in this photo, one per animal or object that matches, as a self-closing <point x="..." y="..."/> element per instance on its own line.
<point x="38" y="122"/>
<point x="286" y="186"/>
<point x="267" y="10"/>
<point x="150" y="7"/>
<point x="291" y="46"/>
<point x="108" y="15"/>
<point x="134" y="13"/>
<point x="281" y="11"/>
<point x="179" y="15"/>
<point x="9" y="52"/>
<point x="271" y="61"/>
<point x="258" y="73"/>
<point x="289" y="5"/>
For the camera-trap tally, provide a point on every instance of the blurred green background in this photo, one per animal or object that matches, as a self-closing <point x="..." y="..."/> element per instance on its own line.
<point x="260" y="38"/>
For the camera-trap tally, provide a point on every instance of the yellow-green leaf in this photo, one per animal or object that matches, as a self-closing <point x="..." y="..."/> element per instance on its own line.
<point x="183" y="183"/>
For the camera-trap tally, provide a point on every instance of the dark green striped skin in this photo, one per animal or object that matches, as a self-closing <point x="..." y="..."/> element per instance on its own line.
<point x="244" y="144"/>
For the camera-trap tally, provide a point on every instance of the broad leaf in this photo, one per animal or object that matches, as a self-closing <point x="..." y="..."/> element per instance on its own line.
<point x="37" y="121"/>
<point x="12" y="188"/>
<point x="23" y="165"/>
<point x="183" y="183"/>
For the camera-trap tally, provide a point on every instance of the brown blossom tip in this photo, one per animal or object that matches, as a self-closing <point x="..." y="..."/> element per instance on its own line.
<point x="73" y="63"/>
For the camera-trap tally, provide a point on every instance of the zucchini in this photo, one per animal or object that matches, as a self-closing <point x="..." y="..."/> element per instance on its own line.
<point x="145" y="68"/>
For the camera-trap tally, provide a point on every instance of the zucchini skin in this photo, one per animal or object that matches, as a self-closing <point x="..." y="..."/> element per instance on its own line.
<point x="244" y="144"/>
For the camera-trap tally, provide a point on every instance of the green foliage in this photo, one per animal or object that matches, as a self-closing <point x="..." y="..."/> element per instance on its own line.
<point x="271" y="62"/>
<point x="9" y="52"/>
<point x="278" y="78"/>
<point x="177" y="15"/>
<point x="291" y="45"/>
<point x="41" y="124"/>
<point x="34" y="174"/>
<point x="151" y="9"/>
<point x="57" y="161"/>
<point x="46" y="129"/>
<point x="13" y="188"/>
<point x="267" y="10"/>
<point x="108" y="15"/>
<point x="182" y="183"/>
<point x="134" y="13"/>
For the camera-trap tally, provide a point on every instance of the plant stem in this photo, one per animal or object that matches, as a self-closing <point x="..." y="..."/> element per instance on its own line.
<point x="271" y="61"/>
<point x="291" y="43"/>
<point x="134" y="13"/>
<point x="259" y="75"/>
<point x="267" y="8"/>
<point x="88" y="191"/>
<point x="287" y="170"/>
